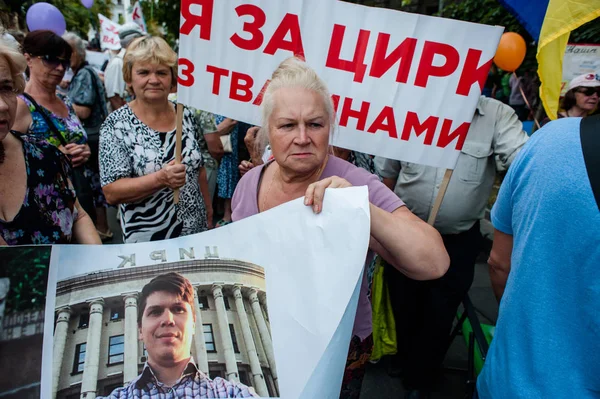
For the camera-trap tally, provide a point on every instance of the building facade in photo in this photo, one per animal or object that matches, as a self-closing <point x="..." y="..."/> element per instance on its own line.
<point x="96" y="346"/>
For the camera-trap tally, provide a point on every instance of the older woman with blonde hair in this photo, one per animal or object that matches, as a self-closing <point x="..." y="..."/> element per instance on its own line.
<point x="37" y="201"/>
<point x="297" y="120"/>
<point x="137" y="152"/>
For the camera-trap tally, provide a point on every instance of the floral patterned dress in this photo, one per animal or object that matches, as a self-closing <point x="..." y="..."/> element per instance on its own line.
<point x="48" y="211"/>
<point x="73" y="132"/>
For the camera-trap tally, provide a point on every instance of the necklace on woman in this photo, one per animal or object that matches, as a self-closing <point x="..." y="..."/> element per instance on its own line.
<point x="318" y="174"/>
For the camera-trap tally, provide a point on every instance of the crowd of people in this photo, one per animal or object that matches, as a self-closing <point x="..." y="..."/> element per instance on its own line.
<point x="110" y="141"/>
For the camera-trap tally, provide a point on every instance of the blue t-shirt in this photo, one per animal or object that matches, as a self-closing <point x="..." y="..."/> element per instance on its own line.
<point x="547" y="339"/>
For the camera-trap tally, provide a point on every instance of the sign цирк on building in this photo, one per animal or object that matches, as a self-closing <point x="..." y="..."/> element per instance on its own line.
<point x="160" y="255"/>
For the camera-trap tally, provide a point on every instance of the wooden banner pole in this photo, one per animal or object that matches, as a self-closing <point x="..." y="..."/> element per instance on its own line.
<point x="440" y="197"/>
<point x="178" y="145"/>
<point x="526" y="101"/>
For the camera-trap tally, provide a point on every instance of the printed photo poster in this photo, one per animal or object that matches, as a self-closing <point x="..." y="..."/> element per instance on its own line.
<point x="275" y="297"/>
<point x="23" y="283"/>
<point x="404" y="86"/>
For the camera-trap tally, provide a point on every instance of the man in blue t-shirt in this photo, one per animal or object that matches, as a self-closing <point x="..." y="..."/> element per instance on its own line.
<point x="545" y="268"/>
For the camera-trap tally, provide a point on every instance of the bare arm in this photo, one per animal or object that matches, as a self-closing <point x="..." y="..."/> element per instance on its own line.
<point x="225" y="127"/>
<point x="134" y="189"/>
<point x="82" y="111"/>
<point x="389" y="182"/>
<point x="116" y="102"/>
<point x="203" y="182"/>
<point x="214" y="144"/>
<point x="499" y="262"/>
<point x="2" y="242"/>
<point x="84" y="231"/>
<point x="412" y="246"/>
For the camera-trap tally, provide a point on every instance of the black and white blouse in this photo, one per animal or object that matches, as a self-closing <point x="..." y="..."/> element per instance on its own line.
<point x="129" y="148"/>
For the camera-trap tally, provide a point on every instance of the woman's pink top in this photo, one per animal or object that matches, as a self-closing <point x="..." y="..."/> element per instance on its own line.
<point x="245" y="203"/>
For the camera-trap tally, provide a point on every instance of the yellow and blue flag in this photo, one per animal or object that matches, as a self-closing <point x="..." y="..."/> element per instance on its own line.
<point x="550" y="22"/>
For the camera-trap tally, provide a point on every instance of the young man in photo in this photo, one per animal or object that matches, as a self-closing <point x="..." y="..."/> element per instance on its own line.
<point x="166" y="324"/>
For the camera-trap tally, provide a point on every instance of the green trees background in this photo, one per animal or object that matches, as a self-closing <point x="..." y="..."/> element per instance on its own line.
<point x="27" y="269"/>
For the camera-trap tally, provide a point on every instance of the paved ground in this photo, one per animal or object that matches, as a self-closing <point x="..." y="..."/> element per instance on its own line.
<point x="377" y="383"/>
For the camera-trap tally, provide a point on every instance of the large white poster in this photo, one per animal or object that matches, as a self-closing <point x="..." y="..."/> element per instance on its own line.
<point x="405" y="85"/>
<point x="275" y="299"/>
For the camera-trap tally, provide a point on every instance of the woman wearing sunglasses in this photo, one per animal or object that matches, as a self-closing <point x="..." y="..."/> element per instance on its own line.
<point x="581" y="98"/>
<point x="37" y="202"/>
<point x="50" y="116"/>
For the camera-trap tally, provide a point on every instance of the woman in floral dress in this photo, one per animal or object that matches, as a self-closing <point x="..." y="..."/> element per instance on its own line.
<point x="49" y="116"/>
<point x="37" y="201"/>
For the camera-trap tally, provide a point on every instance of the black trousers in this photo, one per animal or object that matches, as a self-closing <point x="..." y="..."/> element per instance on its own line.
<point x="425" y="310"/>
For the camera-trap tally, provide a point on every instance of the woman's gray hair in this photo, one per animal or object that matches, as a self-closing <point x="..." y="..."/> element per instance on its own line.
<point x="292" y="72"/>
<point x="77" y="43"/>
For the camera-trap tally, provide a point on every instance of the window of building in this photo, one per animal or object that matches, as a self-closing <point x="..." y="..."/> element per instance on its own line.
<point x="203" y="300"/>
<point x="84" y="320"/>
<point x="79" y="360"/>
<point x="117" y="313"/>
<point x="236" y="349"/>
<point x="109" y="388"/>
<point x="116" y="349"/>
<point x="119" y="2"/>
<point x="244" y="378"/>
<point x="226" y="302"/>
<point x="209" y="338"/>
<point x="216" y="371"/>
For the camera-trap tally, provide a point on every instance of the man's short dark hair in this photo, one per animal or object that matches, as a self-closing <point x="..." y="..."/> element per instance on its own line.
<point x="171" y="282"/>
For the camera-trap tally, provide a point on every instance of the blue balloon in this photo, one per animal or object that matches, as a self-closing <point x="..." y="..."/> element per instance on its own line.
<point x="87" y="3"/>
<point x="45" y="16"/>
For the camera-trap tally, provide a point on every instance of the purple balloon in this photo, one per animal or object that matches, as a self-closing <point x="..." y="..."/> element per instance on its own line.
<point x="87" y="3"/>
<point x="45" y="16"/>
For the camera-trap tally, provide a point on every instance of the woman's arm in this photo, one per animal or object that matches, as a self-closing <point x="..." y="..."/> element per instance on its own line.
<point x="84" y="231"/>
<point x="82" y="111"/>
<point x="80" y="153"/>
<point x="412" y="246"/>
<point x="203" y="181"/>
<point x="225" y="127"/>
<point x="134" y="189"/>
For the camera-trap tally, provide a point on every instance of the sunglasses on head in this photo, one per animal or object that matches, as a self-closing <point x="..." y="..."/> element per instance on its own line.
<point x="589" y="91"/>
<point x="53" y="62"/>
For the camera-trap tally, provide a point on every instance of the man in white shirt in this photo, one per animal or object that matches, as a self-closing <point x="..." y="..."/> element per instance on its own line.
<point x="113" y="76"/>
<point x="427" y="308"/>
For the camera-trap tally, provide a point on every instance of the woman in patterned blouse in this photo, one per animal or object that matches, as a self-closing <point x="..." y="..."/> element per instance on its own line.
<point x="137" y="151"/>
<point x="37" y="201"/>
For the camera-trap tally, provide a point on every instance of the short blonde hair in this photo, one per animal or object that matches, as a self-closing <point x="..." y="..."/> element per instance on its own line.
<point x="16" y="63"/>
<point x="292" y="72"/>
<point x="149" y="49"/>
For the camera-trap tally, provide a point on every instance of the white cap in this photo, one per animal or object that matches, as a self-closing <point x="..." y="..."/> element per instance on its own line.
<point x="586" y="80"/>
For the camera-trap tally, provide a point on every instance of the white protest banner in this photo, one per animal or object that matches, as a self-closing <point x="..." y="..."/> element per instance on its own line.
<point x="579" y="59"/>
<point x="405" y="85"/>
<point x="109" y="34"/>
<point x="273" y="309"/>
<point x="137" y="16"/>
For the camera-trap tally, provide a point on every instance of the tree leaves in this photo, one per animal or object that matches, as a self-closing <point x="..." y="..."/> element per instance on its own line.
<point x="27" y="269"/>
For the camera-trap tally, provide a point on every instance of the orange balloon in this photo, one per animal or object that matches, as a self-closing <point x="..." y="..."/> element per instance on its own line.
<point x="511" y="52"/>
